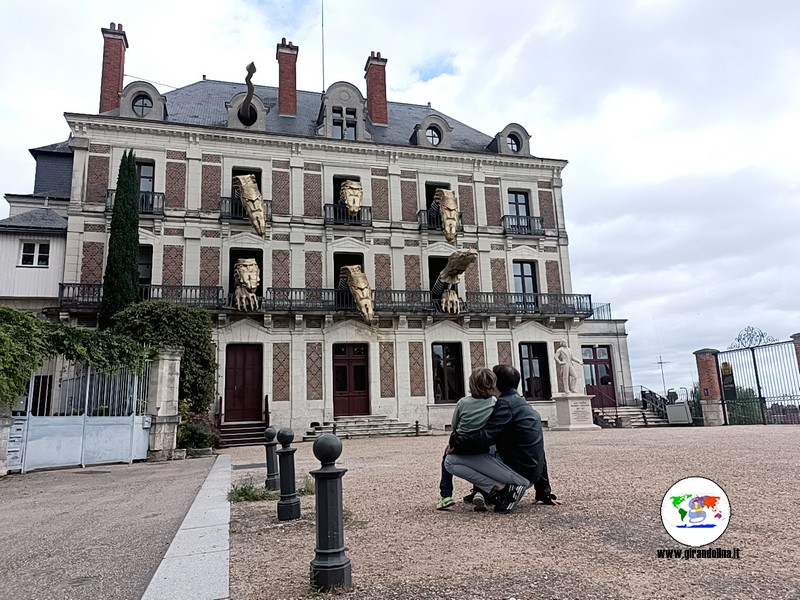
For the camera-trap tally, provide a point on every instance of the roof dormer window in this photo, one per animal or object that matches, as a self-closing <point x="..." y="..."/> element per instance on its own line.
<point x="344" y="123"/>
<point x="513" y="143"/>
<point x="342" y="114"/>
<point x="142" y="105"/>
<point x="432" y="132"/>
<point x="141" y="100"/>
<point x="434" y="135"/>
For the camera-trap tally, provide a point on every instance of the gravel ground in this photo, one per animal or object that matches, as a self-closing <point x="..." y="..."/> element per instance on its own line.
<point x="601" y="543"/>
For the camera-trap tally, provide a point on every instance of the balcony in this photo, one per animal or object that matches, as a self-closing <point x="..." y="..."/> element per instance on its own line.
<point x="337" y="214"/>
<point x="432" y="221"/>
<point x="89" y="295"/>
<point x="516" y="225"/>
<point x="150" y="203"/>
<point x="231" y="209"/>
<point x="505" y="303"/>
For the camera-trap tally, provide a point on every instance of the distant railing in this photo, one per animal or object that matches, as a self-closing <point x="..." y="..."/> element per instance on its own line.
<point x="404" y="301"/>
<point x="149" y="203"/>
<point x="429" y="220"/>
<point x="80" y="295"/>
<point x="519" y="225"/>
<point x="601" y="312"/>
<point x="514" y="303"/>
<point x="89" y="295"/>
<point x="231" y="209"/>
<point x="337" y="214"/>
<point x="644" y="398"/>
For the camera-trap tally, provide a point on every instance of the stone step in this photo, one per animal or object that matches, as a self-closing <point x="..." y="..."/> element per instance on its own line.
<point x="360" y="418"/>
<point x="311" y="435"/>
<point x="363" y="428"/>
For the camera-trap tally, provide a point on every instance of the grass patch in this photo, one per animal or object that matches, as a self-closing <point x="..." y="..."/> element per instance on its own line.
<point x="309" y="487"/>
<point x="247" y="491"/>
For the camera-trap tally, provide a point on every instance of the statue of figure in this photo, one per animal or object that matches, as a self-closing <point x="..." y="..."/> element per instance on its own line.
<point x="247" y="277"/>
<point x="351" y="194"/>
<point x="457" y="263"/>
<point x="448" y="212"/>
<point x="252" y="201"/>
<point x="565" y="369"/>
<point x="359" y="288"/>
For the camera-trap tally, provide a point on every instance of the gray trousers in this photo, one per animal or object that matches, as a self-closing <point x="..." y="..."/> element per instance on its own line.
<point x="485" y="471"/>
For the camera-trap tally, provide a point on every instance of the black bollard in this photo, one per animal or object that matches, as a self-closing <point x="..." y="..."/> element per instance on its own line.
<point x="416" y="428"/>
<point x="271" y="482"/>
<point x="330" y="568"/>
<point x="289" y="504"/>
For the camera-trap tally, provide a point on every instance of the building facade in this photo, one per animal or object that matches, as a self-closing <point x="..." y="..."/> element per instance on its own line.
<point x="304" y="354"/>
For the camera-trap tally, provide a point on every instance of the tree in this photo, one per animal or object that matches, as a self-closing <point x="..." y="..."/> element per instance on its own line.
<point x="121" y="278"/>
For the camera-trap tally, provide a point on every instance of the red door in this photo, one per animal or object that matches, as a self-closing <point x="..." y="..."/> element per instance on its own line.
<point x="350" y="380"/>
<point x="599" y="376"/>
<point x="243" y="378"/>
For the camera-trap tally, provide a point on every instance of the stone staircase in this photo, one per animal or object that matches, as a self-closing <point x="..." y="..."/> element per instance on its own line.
<point x="364" y="427"/>
<point x="638" y="416"/>
<point x="242" y="434"/>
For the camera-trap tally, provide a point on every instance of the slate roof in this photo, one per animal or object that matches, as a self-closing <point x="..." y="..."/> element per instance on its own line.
<point x="42" y="219"/>
<point x="203" y="103"/>
<point x="57" y="148"/>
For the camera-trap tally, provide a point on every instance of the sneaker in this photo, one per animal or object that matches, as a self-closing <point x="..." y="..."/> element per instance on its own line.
<point x="546" y="498"/>
<point x="508" y="498"/>
<point x="444" y="503"/>
<point x="468" y="498"/>
<point x="478" y="502"/>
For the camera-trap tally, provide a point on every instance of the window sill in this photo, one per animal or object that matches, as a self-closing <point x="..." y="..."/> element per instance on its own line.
<point x="33" y="266"/>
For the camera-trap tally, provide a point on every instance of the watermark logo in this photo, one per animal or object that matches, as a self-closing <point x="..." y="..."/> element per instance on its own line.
<point x="695" y="511"/>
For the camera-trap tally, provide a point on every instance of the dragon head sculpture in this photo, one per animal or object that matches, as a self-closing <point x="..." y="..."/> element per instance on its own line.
<point x="252" y="201"/>
<point x="247" y="276"/>
<point x="360" y="289"/>
<point x="351" y="194"/>
<point x="448" y="212"/>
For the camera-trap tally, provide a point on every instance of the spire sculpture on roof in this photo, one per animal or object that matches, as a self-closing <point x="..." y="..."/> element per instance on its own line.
<point x="247" y="112"/>
<point x="252" y="201"/>
<point x="354" y="278"/>
<point x="444" y="287"/>
<point x="445" y="203"/>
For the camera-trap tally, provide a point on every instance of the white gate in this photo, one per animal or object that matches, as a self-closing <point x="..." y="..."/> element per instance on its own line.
<point x="76" y="416"/>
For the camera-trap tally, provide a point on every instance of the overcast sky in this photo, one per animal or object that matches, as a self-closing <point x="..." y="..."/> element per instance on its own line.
<point x="680" y="120"/>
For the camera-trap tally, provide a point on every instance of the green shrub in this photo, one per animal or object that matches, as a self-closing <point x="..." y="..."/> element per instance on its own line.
<point x="247" y="491"/>
<point x="194" y="434"/>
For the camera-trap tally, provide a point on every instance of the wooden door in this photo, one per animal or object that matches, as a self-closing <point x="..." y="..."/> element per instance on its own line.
<point x="350" y="380"/>
<point x="243" y="379"/>
<point x="599" y="376"/>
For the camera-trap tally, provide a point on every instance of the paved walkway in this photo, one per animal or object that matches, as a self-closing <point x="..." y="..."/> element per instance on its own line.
<point x="99" y="532"/>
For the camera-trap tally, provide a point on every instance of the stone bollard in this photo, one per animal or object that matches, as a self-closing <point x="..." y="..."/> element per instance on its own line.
<point x="271" y="482"/>
<point x="289" y="504"/>
<point x="330" y="568"/>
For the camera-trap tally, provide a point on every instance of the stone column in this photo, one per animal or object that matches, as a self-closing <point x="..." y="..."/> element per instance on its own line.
<point x="162" y="403"/>
<point x="709" y="386"/>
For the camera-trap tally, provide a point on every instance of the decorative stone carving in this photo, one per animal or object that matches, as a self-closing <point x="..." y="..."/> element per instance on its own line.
<point x="247" y="114"/>
<point x="565" y="369"/>
<point x="359" y="287"/>
<point x="252" y="200"/>
<point x="449" y="277"/>
<point x="247" y="277"/>
<point x="351" y="194"/>
<point x="448" y="212"/>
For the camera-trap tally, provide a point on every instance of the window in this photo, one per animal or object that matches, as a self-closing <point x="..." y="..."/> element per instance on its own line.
<point x="598" y="373"/>
<point x="513" y="142"/>
<point x="518" y="221"/>
<point x="142" y="105"/>
<point x="448" y="373"/>
<point x="434" y="135"/>
<point x="344" y="298"/>
<point x="35" y="254"/>
<point x="236" y="208"/>
<point x="534" y="370"/>
<point x="235" y="255"/>
<point x="344" y="123"/>
<point x="525" y="287"/>
<point x="145" y="271"/>
<point x="430" y="192"/>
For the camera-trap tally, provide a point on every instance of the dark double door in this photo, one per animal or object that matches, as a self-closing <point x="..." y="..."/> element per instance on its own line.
<point x="599" y="376"/>
<point x="243" y="381"/>
<point x="350" y="379"/>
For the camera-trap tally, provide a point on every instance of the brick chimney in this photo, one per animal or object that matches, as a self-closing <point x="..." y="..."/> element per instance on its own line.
<point x="375" y="74"/>
<point x="287" y="77"/>
<point x="115" y="43"/>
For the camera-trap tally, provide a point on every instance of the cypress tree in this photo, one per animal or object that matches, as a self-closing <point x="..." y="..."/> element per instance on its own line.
<point x="121" y="278"/>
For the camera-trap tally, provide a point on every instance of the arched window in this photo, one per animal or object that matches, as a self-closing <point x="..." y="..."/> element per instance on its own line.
<point x="142" y="105"/>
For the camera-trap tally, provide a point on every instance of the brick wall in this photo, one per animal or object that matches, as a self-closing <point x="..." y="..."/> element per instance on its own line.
<point x="92" y="262"/>
<point x="707" y="375"/>
<point x="172" y="272"/>
<point x="546" y="210"/>
<point x="380" y="199"/>
<point x="209" y="266"/>
<point x="175" y="185"/>
<point x="416" y="368"/>
<point x="499" y="279"/>
<point x="413" y="276"/>
<point x="97" y="179"/>
<point x="281" y="268"/>
<point x="466" y="202"/>
<point x="472" y="278"/>
<point x="494" y="210"/>
<point x="313" y="269"/>
<point x="408" y="199"/>
<point x="383" y="272"/>
<point x="504" y="354"/>
<point x="553" y="277"/>
<point x="314" y="371"/>
<point x="477" y="355"/>
<point x="95" y="227"/>
<point x="387" y="369"/>
<point x="280" y="192"/>
<point x="312" y="194"/>
<point x="211" y="187"/>
<point x="280" y="372"/>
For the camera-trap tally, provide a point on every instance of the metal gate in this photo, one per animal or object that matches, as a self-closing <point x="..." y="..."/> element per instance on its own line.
<point x="76" y="416"/>
<point x="760" y="383"/>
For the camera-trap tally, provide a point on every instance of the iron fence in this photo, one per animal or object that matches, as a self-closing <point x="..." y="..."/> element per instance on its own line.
<point x="149" y="203"/>
<point x="338" y="214"/>
<point x="518" y="225"/>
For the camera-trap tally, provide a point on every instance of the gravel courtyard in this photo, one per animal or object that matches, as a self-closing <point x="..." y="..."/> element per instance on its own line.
<point x="601" y="543"/>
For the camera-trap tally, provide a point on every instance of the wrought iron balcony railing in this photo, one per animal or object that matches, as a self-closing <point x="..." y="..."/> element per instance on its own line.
<point x="337" y="214"/>
<point x="405" y="301"/>
<point x="89" y="295"/>
<point x="517" y="225"/>
<point x="544" y="304"/>
<point x="601" y="312"/>
<point x="231" y="209"/>
<point x="432" y="221"/>
<point x="150" y="203"/>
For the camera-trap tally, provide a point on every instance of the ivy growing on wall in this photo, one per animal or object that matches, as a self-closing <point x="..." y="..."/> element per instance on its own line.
<point x="26" y="342"/>
<point x="162" y="324"/>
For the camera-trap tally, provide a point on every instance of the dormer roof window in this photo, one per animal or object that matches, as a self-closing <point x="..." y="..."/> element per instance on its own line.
<point x="142" y="105"/>
<point x="432" y="132"/>
<point x="141" y="100"/>
<point x="342" y="114"/>
<point x="513" y="139"/>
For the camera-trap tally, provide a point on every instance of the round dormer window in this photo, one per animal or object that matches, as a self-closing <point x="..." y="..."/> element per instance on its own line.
<point x="434" y="135"/>
<point x="513" y="142"/>
<point x="142" y="105"/>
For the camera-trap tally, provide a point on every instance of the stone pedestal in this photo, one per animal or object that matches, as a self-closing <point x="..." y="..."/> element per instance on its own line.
<point x="574" y="413"/>
<point x="162" y="404"/>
